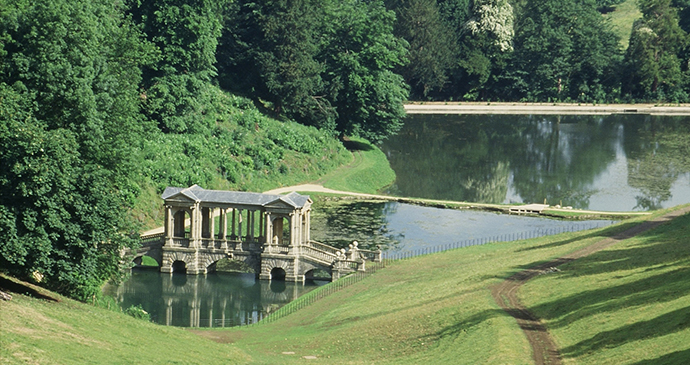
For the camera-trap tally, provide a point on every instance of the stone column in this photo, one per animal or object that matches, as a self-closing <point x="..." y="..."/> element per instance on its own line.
<point x="233" y="224"/>
<point x="308" y="225"/>
<point x="169" y="226"/>
<point x="261" y="225"/>
<point x="250" y="225"/>
<point x="239" y="230"/>
<point x="212" y="224"/>
<point x="268" y="234"/>
<point x="224" y="228"/>
<point x="292" y="247"/>
<point x="195" y="227"/>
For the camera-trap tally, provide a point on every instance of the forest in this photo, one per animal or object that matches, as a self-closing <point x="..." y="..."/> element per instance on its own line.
<point x="104" y="103"/>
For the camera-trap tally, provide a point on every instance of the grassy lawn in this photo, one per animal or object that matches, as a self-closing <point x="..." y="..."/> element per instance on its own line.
<point x="435" y="309"/>
<point x="368" y="173"/>
<point x="622" y="20"/>
<point x="629" y="304"/>
<point x="36" y="331"/>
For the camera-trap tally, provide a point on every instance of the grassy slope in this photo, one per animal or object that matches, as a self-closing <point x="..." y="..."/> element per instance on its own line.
<point x="629" y="304"/>
<point x="368" y="173"/>
<point x="622" y="20"/>
<point x="42" y="332"/>
<point x="441" y="314"/>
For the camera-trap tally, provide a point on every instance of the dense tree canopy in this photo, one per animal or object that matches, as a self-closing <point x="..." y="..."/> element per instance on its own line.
<point x="563" y="51"/>
<point x="69" y="115"/>
<point x="323" y="63"/>
<point x="653" y="65"/>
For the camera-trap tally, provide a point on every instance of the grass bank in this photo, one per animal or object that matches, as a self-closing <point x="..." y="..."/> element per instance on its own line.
<point x="435" y="309"/>
<point x="368" y="173"/>
<point x="629" y="304"/>
<point x="622" y="19"/>
<point x="38" y="331"/>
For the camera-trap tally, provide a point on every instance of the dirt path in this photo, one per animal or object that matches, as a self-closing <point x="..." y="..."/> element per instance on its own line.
<point x="544" y="349"/>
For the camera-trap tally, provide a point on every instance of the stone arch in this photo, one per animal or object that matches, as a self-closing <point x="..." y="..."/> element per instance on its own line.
<point x="318" y="273"/>
<point x="170" y="259"/>
<point x="178" y="266"/>
<point x="210" y="261"/>
<point x="269" y="265"/>
<point x="278" y="273"/>
<point x="139" y="260"/>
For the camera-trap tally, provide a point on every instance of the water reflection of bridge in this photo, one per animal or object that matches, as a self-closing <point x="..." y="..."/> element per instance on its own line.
<point x="269" y="233"/>
<point x="207" y="301"/>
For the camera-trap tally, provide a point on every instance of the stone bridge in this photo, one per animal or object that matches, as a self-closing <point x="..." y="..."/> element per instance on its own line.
<point x="269" y="233"/>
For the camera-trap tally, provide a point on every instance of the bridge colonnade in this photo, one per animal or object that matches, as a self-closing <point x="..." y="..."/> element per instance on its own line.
<point x="268" y="233"/>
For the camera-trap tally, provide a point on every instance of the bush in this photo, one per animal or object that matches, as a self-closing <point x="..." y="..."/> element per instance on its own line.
<point x="138" y="312"/>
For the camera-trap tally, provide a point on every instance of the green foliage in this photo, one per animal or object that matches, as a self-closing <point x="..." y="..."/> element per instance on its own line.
<point x="175" y="86"/>
<point x="432" y="45"/>
<point x="563" y="51"/>
<point x="227" y="265"/>
<point x="68" y="137"/>
<point x="243" y="150"/>
<point x="359" y="58"/>
<point x="137" y="312"/>
<point x="652" y="63"/>
<point x="324" y="63"/>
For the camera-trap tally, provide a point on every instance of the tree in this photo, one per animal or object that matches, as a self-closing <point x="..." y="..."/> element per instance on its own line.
<point x="652" y="63"/>
<point x="325" y="63"/>
<point x="271" y="46"/>
<point x="175" y="87"/>
<point x="432" y="45"/>
<point x="360" y="57"/>
<point x="563" y="50"/>
<point x="69" y="121"/>
<point x="486" y="43"/>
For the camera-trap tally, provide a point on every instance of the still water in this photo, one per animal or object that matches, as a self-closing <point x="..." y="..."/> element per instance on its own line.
<point x="398" y="227"/>
<point x="214" y="300"/>
<point x="614" y="163"/>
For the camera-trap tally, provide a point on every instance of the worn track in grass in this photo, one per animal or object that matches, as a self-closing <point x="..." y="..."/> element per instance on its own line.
<point x="544" y="349"/>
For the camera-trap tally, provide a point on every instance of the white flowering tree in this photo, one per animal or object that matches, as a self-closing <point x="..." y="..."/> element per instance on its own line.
<point x="486" y="42"/>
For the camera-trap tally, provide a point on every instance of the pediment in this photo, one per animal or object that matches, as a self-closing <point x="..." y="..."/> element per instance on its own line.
<point x="280" y="205"/>
<point x="180" y="197"/>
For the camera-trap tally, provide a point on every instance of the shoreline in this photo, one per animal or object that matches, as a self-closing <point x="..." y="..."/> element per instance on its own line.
<point x="441" y="107"/>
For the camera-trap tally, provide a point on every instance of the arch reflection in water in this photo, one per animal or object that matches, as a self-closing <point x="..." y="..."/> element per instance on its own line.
<point x="217" y="300"/>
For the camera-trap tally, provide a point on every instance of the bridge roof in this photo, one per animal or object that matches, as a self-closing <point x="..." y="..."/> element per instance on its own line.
<point x="199" y="194"/>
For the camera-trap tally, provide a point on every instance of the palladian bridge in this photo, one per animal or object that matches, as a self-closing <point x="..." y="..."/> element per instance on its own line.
<point x="268" y="233"/>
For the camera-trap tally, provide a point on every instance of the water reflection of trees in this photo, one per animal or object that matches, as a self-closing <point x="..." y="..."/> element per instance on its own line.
<point x="472" y="158"/>
<point x="452" y="157"/>
<point x="560" y="157"/>
<point x="657" y="157"/>
<point x="552" y="158"/>
<point x="338" y="223"/>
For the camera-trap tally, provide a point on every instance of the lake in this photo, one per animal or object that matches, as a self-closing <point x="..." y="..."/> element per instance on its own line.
<point x="612" y="163"/>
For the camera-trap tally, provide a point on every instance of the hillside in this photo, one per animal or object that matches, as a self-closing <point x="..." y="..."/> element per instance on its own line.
<point x="622" y="19"/>
<point x="238" y="148"/>
<point x="625" y="304"/>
